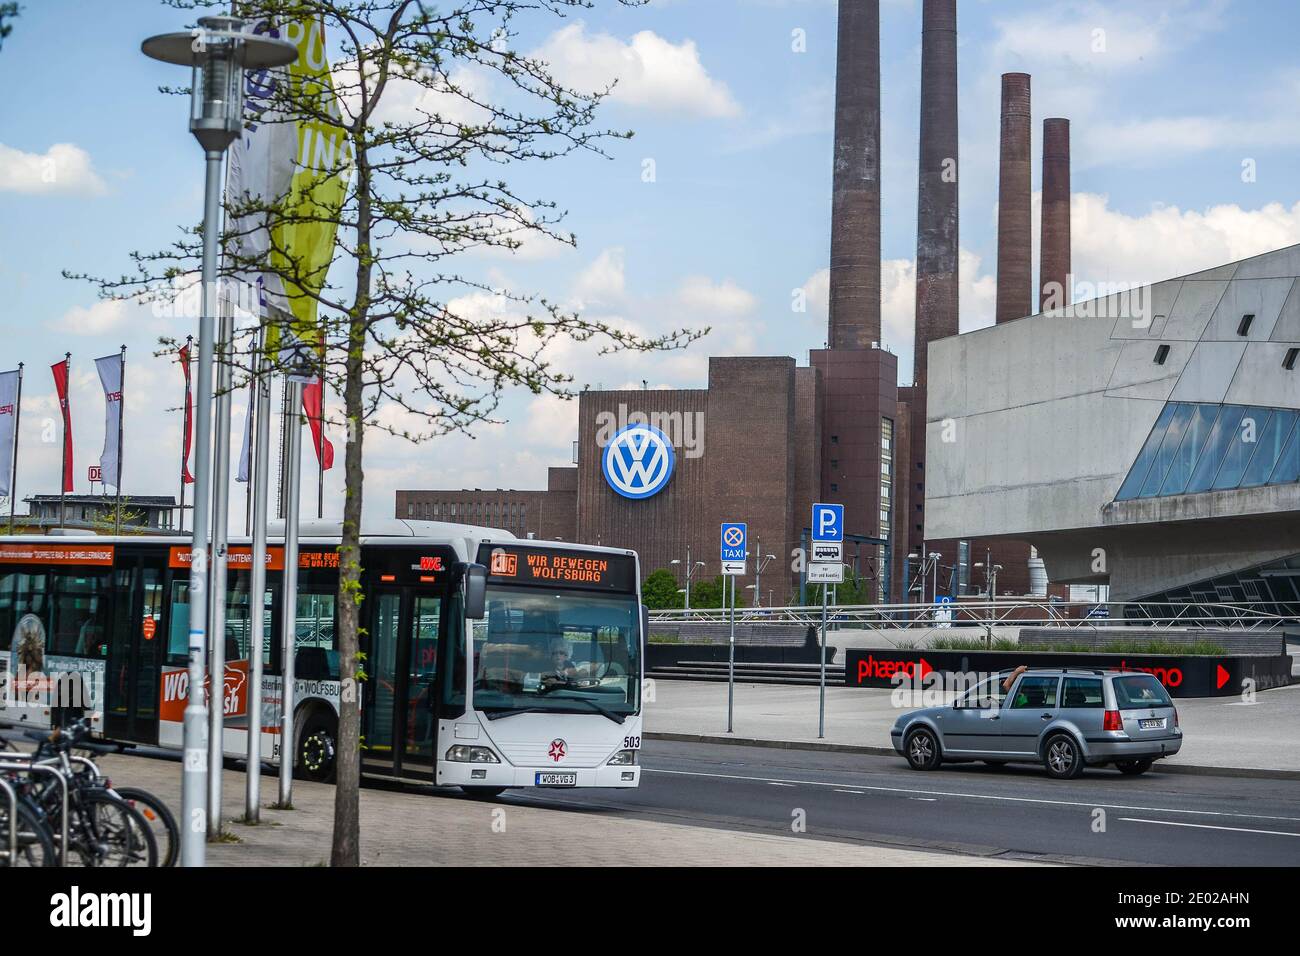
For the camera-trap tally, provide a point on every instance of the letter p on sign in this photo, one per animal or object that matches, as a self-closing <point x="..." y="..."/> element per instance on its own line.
<point x="827" y="522"/>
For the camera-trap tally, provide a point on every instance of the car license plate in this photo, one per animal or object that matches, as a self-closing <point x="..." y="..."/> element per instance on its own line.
<point x="557" y="779"/>
<point x="1157" y="723"/>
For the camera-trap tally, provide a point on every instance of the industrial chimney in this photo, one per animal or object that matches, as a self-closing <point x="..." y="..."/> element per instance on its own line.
<point x="936" y="218"/>
<point x="855" y="202"/>
<point x="1015" y="223"/>
<point x="1054" y="243"/>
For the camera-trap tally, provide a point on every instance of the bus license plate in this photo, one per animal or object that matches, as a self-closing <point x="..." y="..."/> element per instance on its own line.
<point x="557" y="779"/>
<point x="1156" y="724"/>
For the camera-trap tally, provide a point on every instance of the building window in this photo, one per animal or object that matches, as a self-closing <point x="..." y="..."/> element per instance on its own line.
<point x="835" y="439"/>
<point x="1243" y="327"/>
<point x="1162" y="353"/>
<point x="1288" y="363"/>
<point x="410" y="510"/>
<point x="835" y="463"/>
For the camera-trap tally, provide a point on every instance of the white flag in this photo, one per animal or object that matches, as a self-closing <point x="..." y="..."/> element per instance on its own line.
<point x="260" y="168"/>
<point x="110" y="376"/>
<point x="8" y="418"/>
<point x="246" y="452"/>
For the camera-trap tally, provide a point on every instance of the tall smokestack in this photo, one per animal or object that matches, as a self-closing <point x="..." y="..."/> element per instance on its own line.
<point x="1015" y="223"/>
<point x="855" y="203"/>
<point x="1054" y="243"/>
<point x="936" y="218"/>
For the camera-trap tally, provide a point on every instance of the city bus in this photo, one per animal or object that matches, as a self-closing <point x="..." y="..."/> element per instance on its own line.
<point x="490" y="661"/>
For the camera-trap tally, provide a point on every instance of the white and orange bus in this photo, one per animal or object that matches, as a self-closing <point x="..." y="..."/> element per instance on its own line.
<point x="543" y="689"/>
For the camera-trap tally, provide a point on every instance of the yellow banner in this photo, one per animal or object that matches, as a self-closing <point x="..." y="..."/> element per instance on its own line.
<point x="303" y="247"/>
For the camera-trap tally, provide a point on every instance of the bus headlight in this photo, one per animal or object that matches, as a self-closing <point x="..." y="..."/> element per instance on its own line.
<point x="462" y="754"/>
<point x="624" y="758"/>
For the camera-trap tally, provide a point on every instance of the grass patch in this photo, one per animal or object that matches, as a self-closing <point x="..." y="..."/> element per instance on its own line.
<point x="225" y="836"/>
<point x="1196" y="649"/>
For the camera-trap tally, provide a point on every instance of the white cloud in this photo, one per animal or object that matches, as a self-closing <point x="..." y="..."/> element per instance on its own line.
<point x="97" y="319"/>
<point x="1111" y="246"/>
<point x="602" y="281"/>
<point x="1104" y="35"/>
<point x="725" y="298"/>
<point x="63" y="168"/>
<point x="651" y="72"/>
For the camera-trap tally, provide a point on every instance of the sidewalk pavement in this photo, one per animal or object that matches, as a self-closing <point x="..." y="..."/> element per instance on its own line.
<point x="1221" y="734"/>
<point x="413" y="828"/>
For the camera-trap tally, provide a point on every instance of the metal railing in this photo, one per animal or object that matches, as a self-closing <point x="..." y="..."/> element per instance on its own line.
<point x="1020" y="613"/>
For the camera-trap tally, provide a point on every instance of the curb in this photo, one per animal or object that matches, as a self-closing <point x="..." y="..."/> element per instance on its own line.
<point x="1161" y="767"/>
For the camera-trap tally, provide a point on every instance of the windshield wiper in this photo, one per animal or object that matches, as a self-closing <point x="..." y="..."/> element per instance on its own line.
<point x="603" y="711"/>
<point x="511" y="711"/>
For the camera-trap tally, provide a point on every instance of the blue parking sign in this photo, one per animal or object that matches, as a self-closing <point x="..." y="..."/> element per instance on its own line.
<point x="734" y="534"/>
<point x="827" y="522"/>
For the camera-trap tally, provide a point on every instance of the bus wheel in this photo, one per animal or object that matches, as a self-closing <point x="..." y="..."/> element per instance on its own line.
<point x="316" y="748"/>
<point x="483" y="793"/>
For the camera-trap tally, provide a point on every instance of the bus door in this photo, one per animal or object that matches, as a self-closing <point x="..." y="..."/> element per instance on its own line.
<point x="399" y="715"/>
<point x="136" y="647"/>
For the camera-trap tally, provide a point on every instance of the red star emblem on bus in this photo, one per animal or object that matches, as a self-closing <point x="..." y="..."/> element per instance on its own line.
<point x="557" y="750"/>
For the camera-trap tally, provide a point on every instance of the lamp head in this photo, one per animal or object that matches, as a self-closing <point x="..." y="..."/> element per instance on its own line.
<point x="218" y="51"/>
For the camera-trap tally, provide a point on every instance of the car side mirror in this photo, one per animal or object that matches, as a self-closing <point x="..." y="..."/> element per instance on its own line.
<point x="475" y="584"/>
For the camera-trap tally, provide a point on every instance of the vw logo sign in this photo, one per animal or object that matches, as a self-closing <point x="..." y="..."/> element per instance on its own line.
<point x="638" y="461"/>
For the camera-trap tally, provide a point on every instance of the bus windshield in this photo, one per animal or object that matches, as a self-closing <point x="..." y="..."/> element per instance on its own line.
<point x="558" y="651"/>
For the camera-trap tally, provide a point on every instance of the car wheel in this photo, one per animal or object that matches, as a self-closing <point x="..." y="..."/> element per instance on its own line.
<point x="1132" y="767"/>
<point x="922" y="750"/>
<point x="316" y="748"/>
<point x="1062" y="757"/>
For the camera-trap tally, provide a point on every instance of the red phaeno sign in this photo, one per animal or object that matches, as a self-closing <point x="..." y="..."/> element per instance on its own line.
<point x="870" y="667"/>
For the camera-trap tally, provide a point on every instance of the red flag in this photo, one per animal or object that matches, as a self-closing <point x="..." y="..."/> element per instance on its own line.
<point x="60" y="371"/>
<point x="312" y="395"/>
<point x="189" y="416"/>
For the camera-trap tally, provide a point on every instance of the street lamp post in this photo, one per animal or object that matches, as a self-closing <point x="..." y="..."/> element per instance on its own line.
<point x="690" y="569"/>
<point x="218" y="52"/>
<point x="934" y="559"/>
<point x="761" y="561"/>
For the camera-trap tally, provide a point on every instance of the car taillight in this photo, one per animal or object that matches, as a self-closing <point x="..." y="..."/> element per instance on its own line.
<point x="1175" y="716"/>
<point x="1112" y="721"/>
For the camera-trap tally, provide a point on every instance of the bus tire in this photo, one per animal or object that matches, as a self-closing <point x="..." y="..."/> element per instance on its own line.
<point x="317" y="748"/>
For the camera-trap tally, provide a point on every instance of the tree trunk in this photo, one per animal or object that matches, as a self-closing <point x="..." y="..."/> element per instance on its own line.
<point x="346" y="850"/>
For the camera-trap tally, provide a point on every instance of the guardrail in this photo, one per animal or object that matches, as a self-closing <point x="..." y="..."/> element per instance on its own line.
<point x="988" y="614"/>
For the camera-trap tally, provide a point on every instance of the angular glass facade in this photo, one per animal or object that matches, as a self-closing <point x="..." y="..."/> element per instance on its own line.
<point x="1272" y="588"/>
<point x="1195" y="448"/>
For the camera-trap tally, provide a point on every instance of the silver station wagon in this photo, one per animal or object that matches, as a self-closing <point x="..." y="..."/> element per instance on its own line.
<point x="1065" y="719"/>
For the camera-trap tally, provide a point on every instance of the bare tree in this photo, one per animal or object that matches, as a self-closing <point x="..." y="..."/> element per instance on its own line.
<point x="437" y="105"/>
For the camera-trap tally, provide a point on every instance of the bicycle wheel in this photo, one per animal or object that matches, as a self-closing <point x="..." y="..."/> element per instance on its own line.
<point x="160" y="820"/>
<point x="35" y="844"/>
<point x="104" y="830"/>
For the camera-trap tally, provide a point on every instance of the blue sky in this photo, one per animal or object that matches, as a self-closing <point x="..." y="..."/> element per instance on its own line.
<point x="1168" y="99"/>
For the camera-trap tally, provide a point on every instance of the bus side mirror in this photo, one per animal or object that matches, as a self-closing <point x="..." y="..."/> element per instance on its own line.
<point x="645" y="624"/>
<point x="476" y="576"/>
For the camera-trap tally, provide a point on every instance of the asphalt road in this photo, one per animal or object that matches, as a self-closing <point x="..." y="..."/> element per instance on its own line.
<point x="1172" y="819"/>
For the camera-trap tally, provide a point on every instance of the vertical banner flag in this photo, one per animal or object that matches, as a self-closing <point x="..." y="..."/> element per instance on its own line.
<point x="300" y="169"/>
<point x="60" y="370"/>
<point x="246" y="450"/>
<point x="8" y="422"/>
<point x="110" y="376"/>
<point x="313" y="402"/>
<point x="186" y="477"/>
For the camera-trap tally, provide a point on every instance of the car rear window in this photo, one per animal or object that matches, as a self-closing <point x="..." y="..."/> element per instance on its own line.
<point x="1082" y="692"/>
<point x="1134" y="693"/>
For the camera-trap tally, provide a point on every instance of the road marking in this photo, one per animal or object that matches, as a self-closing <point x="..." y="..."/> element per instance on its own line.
<point x="978" y="796"/>
<point x="925" y="799"/>
<point x="778" y="783"/>
<point x="1206" y="826"/>
<point x="856" y="793"/>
